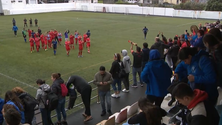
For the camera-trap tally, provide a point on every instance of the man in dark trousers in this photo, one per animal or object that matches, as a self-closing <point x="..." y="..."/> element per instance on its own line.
<point x="13" y="22"/>
<point x="85" y="90"/>
<point x="146" y="52"/>
<point x="145" y="30"/>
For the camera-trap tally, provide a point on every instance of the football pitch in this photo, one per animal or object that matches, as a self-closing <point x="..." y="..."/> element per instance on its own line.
<point x="109" y="34"/>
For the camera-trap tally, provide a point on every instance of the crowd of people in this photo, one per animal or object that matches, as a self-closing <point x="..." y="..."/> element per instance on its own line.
<point x="193" y="59"/>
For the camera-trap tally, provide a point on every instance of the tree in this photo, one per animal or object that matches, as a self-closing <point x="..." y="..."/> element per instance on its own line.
<point x="214" y="5"/>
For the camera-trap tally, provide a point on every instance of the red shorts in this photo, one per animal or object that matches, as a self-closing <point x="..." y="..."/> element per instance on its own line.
<point x="31" y="45"/>
<point x="88" y="44"/>
<point x="71" y="42"/>
<point x="49" y="41"/>
<point x="80" y="48"/>
<point x="45" y="42"/>
<point x="76" y="39"/>
<point x="84" y="40"/>
<point x="60" y="39"/>
<point x="30" y="35"/>
<point x="67" y="48"/>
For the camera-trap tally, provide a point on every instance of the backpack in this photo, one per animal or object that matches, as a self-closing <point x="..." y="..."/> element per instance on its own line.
<point x="29" y="101"/>
<point x="51" y="101"/>
<point x="64" y="90"/>
<point x="122" y="72"/>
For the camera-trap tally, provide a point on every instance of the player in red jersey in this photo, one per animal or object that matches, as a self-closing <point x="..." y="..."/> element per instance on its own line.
<point x="76" y="36"/>
<point x="31" y="40"/>
<point x="88" y="44"/>
<point x="59" y="36"/>
<point x="84" y="39"/>
<point x="49" y="39"/>
<point x="45" y="41"/>
<point x="71" y="38"/>
<point x="67" y="43"/>
<point x="37" y="43"/>
<point x="80" y="48"/>
<point x="42" y="40"/>
<point x="30" y="32"/>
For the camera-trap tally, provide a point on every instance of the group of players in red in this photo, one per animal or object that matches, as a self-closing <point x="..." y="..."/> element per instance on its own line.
<point x="52" y="37"/>
<point x="69" y="42"/>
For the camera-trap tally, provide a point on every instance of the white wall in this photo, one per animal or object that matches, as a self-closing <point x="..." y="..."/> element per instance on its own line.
<point x="111" y="8"/>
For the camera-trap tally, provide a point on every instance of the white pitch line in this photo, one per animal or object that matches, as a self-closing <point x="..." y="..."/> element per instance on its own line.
<point x="16" y="80"/>
<point x="187" y="24"/>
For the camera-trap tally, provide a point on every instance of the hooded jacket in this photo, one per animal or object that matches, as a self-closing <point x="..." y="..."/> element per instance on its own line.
<point x="201" y="67"/>
<point x="201" y="111"/>
<point x="41" y="94"/>
<point x="126" y="61"/>
<point x="157" y="75"/>
<point x="56" y="87"/>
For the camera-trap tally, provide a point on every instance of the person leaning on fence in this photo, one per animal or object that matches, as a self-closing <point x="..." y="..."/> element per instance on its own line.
<point x="41" y="97"/>
<point x="200" y="110"/>
<point x="85" y="90"/>
<point x="56" y="88"/>
<point x="103" y="80"/>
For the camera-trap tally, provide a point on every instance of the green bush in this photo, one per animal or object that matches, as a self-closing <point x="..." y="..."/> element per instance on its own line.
<point x="190" y="6"/>
<point x="214" y="5"/>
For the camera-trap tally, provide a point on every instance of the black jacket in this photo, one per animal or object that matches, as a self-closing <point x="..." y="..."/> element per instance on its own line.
<point x="56" y="88"/>
<point x="79" y="83"/>
<point x="115" y="69"/>
<point x="173" y="51"/>
<point x="160" y="46"/>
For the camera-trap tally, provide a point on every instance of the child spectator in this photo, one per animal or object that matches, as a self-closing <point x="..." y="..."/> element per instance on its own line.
<point x="200" y="111"/>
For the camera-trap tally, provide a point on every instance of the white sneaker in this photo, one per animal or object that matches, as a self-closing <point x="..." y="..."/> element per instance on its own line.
<point x="114" y="95"/>
<point x="124" y="90"/>
<point x="117" y="95"/>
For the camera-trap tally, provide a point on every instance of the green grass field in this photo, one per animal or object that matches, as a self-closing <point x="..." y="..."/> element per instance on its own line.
<point x="109" y="35"/>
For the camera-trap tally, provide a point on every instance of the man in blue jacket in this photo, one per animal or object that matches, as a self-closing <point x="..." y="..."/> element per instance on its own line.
<point x="157" y="75"/>
<point x="15" y="29"/>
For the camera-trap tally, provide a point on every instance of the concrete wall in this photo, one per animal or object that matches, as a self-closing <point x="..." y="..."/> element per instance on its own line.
<point x="21" y="8"/>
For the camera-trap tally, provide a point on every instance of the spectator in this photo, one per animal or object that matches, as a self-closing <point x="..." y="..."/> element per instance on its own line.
<point x="137" y="64"/>
<point x="173" y="54"/>
<point x="103" y="80"/>
<point x="200" y="111"/>
<point x="115" y="69"/>
<point x="127" y="67"/>
<point x="41" y="97"/>
<point x="160" y="46"/>
<point x="149" y="114"/>
<point x="217" y="33"/>
<point x="200" y="70"/>
<point x="214" y="45"/>
<point x="146" y="52"/>
<point x="157" y="75"/>
<point x="11" y="115"/>
<point x="72" y="96"/>
<point x="198" y="42"/>
<point x="1" y="115"/>
<point x="56" y="88"/>
<point x="85" y="90"/>
<point x="12" y="99"/>
<point x="28" y="109"/>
